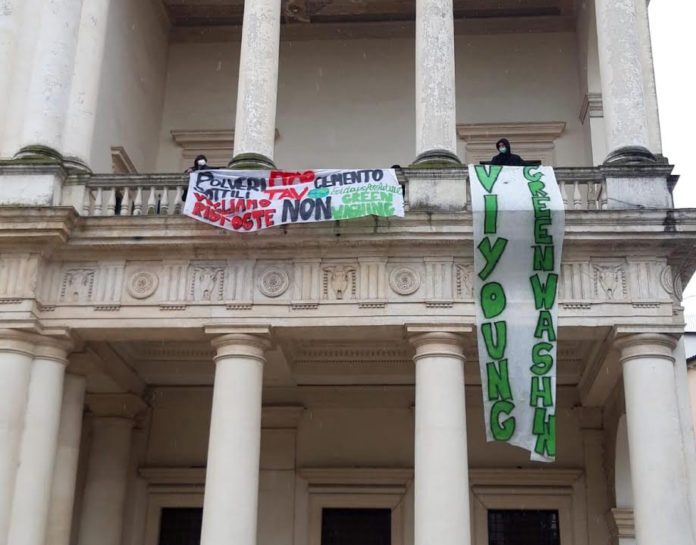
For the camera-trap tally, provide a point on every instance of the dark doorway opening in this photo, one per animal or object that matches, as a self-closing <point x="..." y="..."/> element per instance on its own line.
<point x="180" y="526"/>
<point x="355" y="526"/>
<point x="523" y="527"/>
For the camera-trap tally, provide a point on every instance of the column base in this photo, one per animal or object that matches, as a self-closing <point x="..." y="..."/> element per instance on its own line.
<point x="630" y="155"/>
<point x="251" y="161"/>
<point x="76" y="164"/>
<point x="39" y="153"/>
<point x="436" y="158"/>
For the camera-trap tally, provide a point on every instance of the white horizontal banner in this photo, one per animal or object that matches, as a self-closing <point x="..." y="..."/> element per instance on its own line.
<point x="250" y="200"/>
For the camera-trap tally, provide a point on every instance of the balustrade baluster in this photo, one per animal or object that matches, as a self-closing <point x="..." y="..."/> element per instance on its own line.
<point x="562" y="187"/>
<point x="577" y="197"/>
<point x="138" y="203"/>
<point x="177" y="200"/>
<point x="98" y="202"/>
<point x="152" y="203"/>
<point x="164" y="202"/>
<point x="86" y="201"/>
<point x="125" y="203"/>
<point x="111" y="203"/>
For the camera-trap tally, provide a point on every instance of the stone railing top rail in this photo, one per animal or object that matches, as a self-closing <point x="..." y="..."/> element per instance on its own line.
<point x="562" y="173"/>
<point x="583" y="188"/>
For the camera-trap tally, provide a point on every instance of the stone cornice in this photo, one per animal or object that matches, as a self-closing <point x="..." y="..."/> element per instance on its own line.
<point x="38" y="227"/>
<point x="661" y="228"/>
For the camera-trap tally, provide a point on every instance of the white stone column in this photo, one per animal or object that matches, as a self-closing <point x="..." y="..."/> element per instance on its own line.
<point x="436" y="126"/>
<point x="38" y="448"/>
<point x="9" y="22"/>
<point x="56" y="24"/>
<point x="19" y="76"/>
<point x="658" y="473"/>
<point x="441" y="472"/>
<point x="16" y="354"/>
<point x="84" y="90"/>
<point x="625" y="112"/>
<point x="254" y="130"/>
<point x="232" y="476"/>
<point x="67" y="455"/>
<point x="104" y="494"/>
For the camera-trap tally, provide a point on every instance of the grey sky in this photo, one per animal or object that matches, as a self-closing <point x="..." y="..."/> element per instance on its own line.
<point x="672" y="29"/>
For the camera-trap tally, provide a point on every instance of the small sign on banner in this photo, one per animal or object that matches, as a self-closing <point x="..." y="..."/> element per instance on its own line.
<point x="519" y="221"/>
<point x="250" y="200"/>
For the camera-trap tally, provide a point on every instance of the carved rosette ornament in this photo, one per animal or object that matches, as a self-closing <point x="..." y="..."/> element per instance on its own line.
<point x="671" y="283"/>
<point x="274" y="282"/>
<point x="142" y="284"/>
<point x="404" y="281"/>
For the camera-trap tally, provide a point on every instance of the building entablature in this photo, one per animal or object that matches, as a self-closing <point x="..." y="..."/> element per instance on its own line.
<point x="345" y="287"/>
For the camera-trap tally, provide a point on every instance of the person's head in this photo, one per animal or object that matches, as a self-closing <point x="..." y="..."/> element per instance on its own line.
<point x="503" y="145"/>
<point x="200" y="161"/>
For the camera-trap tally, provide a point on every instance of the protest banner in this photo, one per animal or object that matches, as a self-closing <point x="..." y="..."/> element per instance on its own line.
<point x="519" y="221"/>
<point x="250" y="200"/>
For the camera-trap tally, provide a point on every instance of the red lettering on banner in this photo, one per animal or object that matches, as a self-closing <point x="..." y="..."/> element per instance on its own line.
<point x="279" y="177"/>
<point x="286" y="193"/>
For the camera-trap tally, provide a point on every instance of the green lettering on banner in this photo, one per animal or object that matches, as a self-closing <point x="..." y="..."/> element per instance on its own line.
<point x="540" y="210"/>
<point x="543" y="258"/>
<point x="544" y="294"/>
<point x="490" y="216"/>
<point x="498" y="380"/>
<point x="542" y="362"/>
<point x="545" y="430"/>
<point x="491" y="254"/>
<point x="502" y="431"/>
<point x="545" y="325"/>
<point x="541" y="236"/>
<point x="536" y="188"/>
<point x="541" y="389"/>
<point x="487" y="178"/>
<point x="495" y="348"/>
<point x="492" y="300"/>
<point x="532" y="177"/>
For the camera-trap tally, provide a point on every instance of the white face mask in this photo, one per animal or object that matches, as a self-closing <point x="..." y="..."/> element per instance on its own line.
<point x="200" y="162"/>
<point x="502" y="149"/>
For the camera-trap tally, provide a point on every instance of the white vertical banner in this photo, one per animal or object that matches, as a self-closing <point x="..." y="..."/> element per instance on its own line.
<point x="519" y="221"/>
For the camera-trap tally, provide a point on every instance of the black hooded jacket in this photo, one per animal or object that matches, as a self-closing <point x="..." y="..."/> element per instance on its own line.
<point x="508" y="158"/>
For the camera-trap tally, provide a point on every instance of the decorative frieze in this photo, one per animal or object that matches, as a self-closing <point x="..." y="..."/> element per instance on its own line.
<point x="305" y="284"/>
<point x="372" y="280"/>
<point x="142" y="284"/>
<point x="77" y="285"/>
<point x="207" y="283"/>
<point x="18" y="277"/>
<point x="273" y="282"/>
<point x="610" y="282"/>
<point x="404" y="280"/>
<point x="438" y="280"/>
<point x="464" y="280"/>
<point x="339" y="282"/>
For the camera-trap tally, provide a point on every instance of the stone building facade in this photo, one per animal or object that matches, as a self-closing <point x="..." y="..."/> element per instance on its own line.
<point x="165" y="382"/>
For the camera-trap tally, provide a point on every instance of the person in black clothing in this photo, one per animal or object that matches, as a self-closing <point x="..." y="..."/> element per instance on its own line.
<point x="505" y="156"/>
<point x="199" y="163"/>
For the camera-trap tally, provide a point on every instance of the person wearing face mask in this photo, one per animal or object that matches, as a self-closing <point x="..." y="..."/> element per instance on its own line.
<point x="199" y="163"/>
<point x="505" y="156"/>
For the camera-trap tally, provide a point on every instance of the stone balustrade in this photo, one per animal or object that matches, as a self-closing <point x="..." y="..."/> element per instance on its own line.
<point x="161" y="194"/>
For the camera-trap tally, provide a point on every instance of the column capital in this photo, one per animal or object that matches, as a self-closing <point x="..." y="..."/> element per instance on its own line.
<point x="50" y="348"/>
<point x="437" y="343"/>
<point x="645" y="345"/>
<point x="250" y="345"/>
<point x="20" y="342"/>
